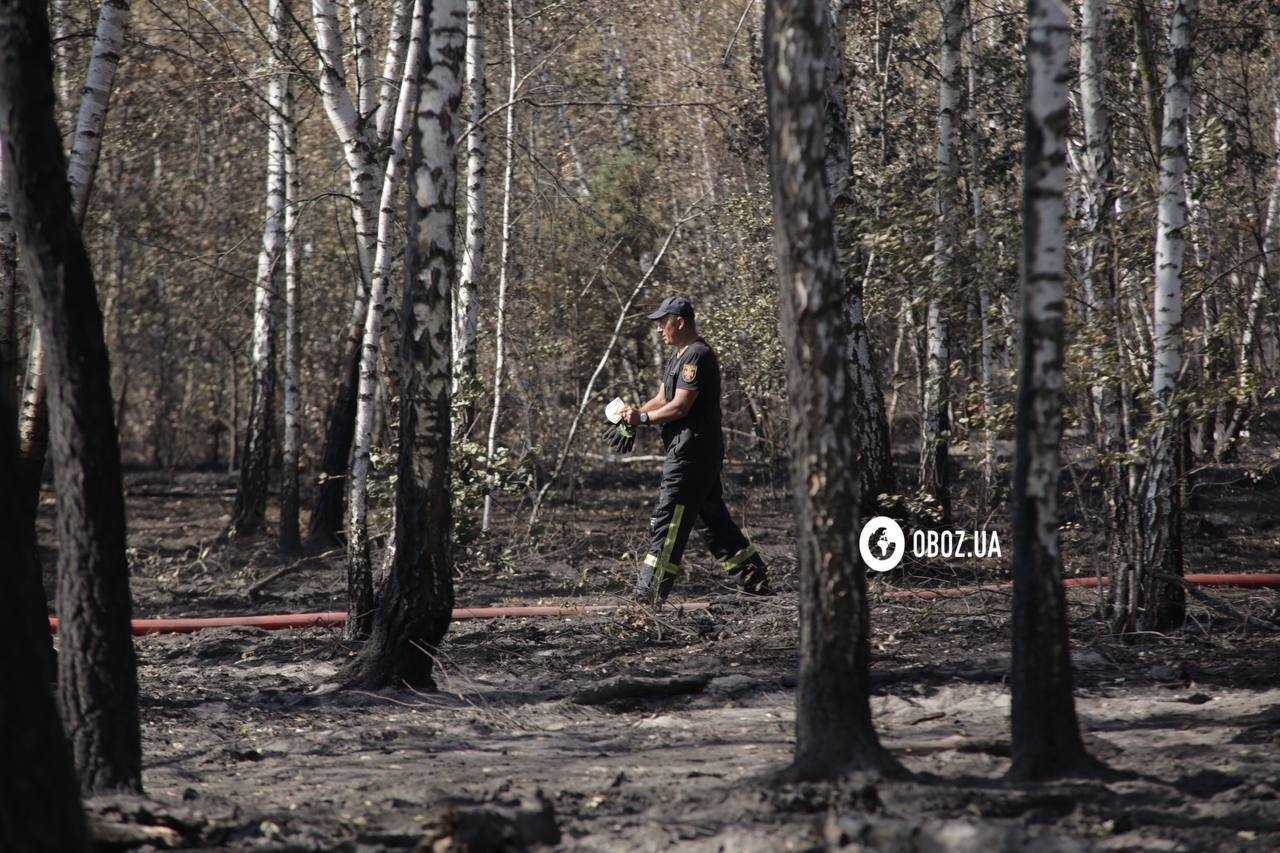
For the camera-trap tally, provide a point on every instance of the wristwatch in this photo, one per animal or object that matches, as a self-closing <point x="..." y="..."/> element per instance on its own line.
<point x="644" y="419"/>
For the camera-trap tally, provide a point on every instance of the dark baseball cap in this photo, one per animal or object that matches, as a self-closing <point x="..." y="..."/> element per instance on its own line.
<point x="681" y="306"/>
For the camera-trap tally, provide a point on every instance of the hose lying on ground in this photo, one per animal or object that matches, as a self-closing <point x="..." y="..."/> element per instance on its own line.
<point x="335" y="619"/>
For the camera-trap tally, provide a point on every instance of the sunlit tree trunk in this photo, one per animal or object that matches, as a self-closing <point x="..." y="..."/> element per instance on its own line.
<point x="255" y="465"/>
<point x="1046" y="733"/>
<point x="413" y="613"/>
<point x="97" y="672"/>
<point x="1160" y="604"/>
<point x="290" y="535"/>
<point x="504" y="251"/>
<point x="465" y="309"/>
<point x="834" y="734"/>
<point x="362" y="46"/>
<point x="359" y="560"/>
<point x="398" y="25"/>
<point x="935" y="476"/>
<point x="875" y="463"/>
<point x="364" y="176"/>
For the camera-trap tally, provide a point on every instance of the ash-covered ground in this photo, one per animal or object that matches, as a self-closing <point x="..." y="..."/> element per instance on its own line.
<point x="248" y="746"/>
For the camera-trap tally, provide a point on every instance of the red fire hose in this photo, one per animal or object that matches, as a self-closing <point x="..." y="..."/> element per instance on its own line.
<point x="1260" y="581"/>
<point x="335" y="619"/>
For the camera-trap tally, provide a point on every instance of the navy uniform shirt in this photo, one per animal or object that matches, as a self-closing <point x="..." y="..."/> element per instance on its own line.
<point x="695" y="368"/>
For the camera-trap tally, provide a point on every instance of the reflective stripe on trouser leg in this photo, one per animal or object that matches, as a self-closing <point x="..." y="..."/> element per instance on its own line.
<point x="738" y="559"/>
<point x="661" y="562"/>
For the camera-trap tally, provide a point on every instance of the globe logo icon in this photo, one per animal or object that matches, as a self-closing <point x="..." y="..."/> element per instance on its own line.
<point x="882" y="544"/>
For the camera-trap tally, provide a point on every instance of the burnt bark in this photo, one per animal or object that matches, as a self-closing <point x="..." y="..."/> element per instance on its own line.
<point x="97" y="673"/>
<point x="834" y="734"/>
<point x="1046" y="734"/>
<point x="39" y="803"/>
<point x="416" y="606"/>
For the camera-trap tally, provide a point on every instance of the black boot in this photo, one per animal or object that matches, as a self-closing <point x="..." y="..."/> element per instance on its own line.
<point x="652" y="585"/>
<point x="753" y="577"/>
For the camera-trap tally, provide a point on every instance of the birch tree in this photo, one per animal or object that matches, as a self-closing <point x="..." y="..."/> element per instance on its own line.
<point x="1097" y="267"/>
<point x="834" y="733"/>
<point x="875" y="462"/>
<point x="466" y="315"/>
<point x="986" y="331"/>
<point x="97" y="671"/>
<point x="1046" y="733"/>
<point x="413" y="613"/>
<point x="500" y="342"/>
<point x="359" y="561"/>
<point x="291" y="444"/>
<point x="935" y="477"/>
<point x="1160" y="602"/>
<point x="86" y="145"/>
<point x="360" y="142"/>
<point x="255" y="463"/>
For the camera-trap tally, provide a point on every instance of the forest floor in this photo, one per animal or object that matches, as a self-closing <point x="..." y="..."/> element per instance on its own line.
<point x="245" y="746"/>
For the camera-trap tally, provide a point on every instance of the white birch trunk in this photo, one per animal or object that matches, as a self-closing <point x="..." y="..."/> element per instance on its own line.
<point x="290" y="536"/>
<point x="364" y="174"/>
<point x="362" y="46"/>
<point x="466" y="317"/>
<point x="500" y="322"/>
<point x="415" y="609"/>
<point x="392" y="62"/>
<point x="1046" y="734"/>
<point x="98" y="82"/>
<point x="986" y="347"/>
<point x="360" y="578"/>
<point x="82" y="164"/>
<point x="251" y="497"/>
<point x="934" y="442"/>
<point x="1161" y="603"/>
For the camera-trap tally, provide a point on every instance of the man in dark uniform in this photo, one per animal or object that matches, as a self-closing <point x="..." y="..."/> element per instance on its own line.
<point x="687" y="408"/>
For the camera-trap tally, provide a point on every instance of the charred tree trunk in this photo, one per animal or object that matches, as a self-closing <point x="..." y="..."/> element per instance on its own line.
<point x="39" y="800"/>
<point x="97" y="674"/>
<point x="834" y="733"/>
<point x="360" y="602"/>
<point x="1046" y="733"/>
<point x="414" y="611"/>
<point x="363" y="178"/>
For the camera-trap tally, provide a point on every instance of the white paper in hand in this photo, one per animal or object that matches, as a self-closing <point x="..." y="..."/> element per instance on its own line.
<point x="613" y="411"/>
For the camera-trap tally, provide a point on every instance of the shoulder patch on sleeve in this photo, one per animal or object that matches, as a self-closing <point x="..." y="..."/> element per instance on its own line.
<point x="688" y="372"/>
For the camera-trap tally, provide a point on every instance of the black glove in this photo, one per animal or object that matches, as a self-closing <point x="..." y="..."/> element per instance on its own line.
<point x="620" y="437"/>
